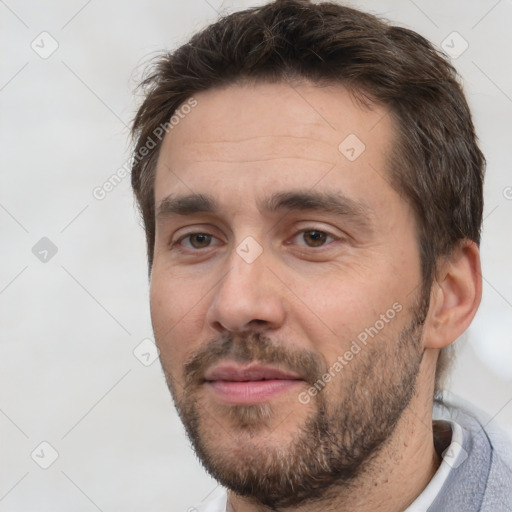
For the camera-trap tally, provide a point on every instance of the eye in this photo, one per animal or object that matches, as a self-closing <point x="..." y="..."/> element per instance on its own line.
<point x="305" y="238"/>
<point x="314" y="237"/>
<point x="196" y="240"/>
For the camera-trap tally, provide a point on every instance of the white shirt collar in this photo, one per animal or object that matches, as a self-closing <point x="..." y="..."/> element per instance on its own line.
<point x="453" y="457"/>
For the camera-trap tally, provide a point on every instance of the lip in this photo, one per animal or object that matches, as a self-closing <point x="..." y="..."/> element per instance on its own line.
<point x="251" y="372"/>
<point x="233" y="383"/>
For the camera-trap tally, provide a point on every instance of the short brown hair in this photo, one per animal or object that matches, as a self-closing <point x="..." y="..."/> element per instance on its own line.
<point x="436" y="163"/>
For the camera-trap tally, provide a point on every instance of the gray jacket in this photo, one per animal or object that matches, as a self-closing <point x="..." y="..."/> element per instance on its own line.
<point x="482" y="481"/>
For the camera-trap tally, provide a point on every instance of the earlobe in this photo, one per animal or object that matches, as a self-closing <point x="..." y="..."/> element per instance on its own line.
<point x="455" y="296"/>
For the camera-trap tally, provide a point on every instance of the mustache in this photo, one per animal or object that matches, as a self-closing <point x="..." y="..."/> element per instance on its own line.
<point x="252" y="347"/>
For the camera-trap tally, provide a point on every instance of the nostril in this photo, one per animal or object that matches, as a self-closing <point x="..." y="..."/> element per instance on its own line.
<point x="258" y="321"/>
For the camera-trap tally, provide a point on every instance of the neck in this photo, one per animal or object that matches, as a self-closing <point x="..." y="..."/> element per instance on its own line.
<point x="395" y="476"/>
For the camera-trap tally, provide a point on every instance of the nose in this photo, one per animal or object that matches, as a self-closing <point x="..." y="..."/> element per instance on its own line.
<point x="249" y="296"/>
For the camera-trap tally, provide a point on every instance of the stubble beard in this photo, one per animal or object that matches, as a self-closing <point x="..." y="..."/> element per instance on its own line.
<point x="339" y="437"/>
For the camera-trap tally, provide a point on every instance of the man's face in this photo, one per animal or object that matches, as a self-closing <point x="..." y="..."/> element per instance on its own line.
<point x="287" y="326"/>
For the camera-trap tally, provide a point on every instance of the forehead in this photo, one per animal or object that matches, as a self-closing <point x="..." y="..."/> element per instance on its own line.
<point x="275" y="109"/>
<point x="274" y="134"/>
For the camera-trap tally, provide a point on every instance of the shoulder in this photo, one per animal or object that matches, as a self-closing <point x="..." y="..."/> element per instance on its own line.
<point x="498" y="492"/>
<point x="482" y="429"/>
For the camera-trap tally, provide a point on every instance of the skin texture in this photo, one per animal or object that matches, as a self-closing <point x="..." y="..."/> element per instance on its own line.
<point x="365" y="440"/>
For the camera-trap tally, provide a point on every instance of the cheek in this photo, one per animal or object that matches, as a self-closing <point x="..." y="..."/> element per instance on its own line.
<point x="176" y="317"/>
<point x="346" y="296"/>
<point x="163" y="303"/>
<point x="343" y="307"/>
<point x="171" y="296"/>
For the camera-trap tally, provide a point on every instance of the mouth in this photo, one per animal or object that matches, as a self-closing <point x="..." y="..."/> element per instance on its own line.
<point x="249" y="384"/>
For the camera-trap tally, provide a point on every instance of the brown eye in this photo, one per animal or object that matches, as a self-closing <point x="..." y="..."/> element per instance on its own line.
<point x="196" y="241"/>
<point x="200" y="240"/>
<point x="314" y="238"/>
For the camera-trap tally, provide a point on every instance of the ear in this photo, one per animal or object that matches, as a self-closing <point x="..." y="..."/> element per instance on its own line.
<point x="455" y="296"/>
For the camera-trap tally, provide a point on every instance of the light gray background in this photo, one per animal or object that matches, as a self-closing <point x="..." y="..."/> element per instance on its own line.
<point x="69" y="326"/>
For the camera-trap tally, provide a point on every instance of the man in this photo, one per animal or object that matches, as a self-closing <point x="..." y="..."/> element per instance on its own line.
<point x="311" y="190"/>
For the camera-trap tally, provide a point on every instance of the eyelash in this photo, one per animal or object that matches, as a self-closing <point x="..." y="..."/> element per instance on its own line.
<point x="306" y="230"/>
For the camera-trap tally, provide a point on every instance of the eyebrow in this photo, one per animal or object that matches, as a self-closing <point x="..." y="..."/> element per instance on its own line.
<point x="294" y="200"/>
